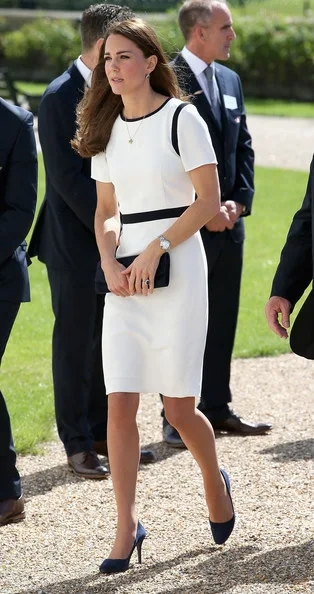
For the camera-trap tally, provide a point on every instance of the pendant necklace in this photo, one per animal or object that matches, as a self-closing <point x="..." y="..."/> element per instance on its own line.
<point x="130" y="141"/>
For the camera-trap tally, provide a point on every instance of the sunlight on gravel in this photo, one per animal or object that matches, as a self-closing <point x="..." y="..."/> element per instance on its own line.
<point x="70" y="522"/>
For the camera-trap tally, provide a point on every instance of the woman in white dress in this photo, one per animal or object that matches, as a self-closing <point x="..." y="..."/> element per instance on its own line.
<point x="153" y="338"/>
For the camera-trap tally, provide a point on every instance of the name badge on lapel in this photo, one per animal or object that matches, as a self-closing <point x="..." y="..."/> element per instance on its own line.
<point x="230" y="102"/>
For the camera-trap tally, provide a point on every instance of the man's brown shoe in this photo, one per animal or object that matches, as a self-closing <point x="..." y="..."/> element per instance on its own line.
<point x="87" y="465"/>
<point x="12" y="510"/>
<point x="101" y="449"/>
<point x="235" y="424"/>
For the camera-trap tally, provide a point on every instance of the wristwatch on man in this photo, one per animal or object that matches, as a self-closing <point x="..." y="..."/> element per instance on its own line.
<point x="164" y="243"/>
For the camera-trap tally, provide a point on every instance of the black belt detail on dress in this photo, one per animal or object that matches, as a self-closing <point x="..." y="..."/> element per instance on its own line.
<point x="152" y="215"/>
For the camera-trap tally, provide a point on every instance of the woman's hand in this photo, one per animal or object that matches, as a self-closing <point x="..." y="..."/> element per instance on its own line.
<point x="141" y="273"/>
<point x="116" y="280"/>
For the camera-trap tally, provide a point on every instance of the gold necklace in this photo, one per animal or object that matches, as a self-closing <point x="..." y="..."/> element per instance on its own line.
<point x="130" y="141"/>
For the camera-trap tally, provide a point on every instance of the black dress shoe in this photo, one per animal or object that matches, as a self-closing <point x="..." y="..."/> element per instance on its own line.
<point x="222" y="530"/>
<point x="101" y="449"/>
<point x="87" y="465"/>
<point x="11" y="510"/>
<point x="235" y="424"/>
<point x="171" y="435"/>
<point x="147" y="456"/>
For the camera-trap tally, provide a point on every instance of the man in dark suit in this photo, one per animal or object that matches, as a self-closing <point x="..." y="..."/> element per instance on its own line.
<point x="217" y="94"/>
<point x="296" y="267"/>
<point x="18" y="192"/>
<point x="64" y="240"/>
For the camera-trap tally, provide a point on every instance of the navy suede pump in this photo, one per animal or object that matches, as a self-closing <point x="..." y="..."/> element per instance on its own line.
<point x="222" y="530"/>
<point x="118" y="565"/>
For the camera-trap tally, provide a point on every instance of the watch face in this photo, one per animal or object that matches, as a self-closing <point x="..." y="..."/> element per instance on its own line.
<point x="164" y="243"/>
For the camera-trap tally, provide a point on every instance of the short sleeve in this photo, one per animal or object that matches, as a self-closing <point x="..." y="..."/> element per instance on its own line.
<point x="99" y="168"/>
<point x="195" y="144"/>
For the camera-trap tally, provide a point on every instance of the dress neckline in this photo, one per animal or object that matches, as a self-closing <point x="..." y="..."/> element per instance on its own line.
<point x="148" y="115"/>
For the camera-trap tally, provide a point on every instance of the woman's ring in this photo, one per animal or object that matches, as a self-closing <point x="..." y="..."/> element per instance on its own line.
<point x="146" y="282"/>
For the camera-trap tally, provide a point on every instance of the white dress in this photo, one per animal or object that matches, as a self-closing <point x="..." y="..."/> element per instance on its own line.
<point x="156" y="343"/>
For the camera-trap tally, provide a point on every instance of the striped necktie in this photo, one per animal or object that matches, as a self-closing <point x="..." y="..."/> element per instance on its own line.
<point x="213" y="93"/>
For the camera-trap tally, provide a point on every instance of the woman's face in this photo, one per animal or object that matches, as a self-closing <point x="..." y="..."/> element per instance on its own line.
<point x="125" y="65"/>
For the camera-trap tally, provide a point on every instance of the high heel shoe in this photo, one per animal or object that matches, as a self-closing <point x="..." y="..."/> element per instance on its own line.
<point x="118" y="565"/>
<point x="222" y="530"/>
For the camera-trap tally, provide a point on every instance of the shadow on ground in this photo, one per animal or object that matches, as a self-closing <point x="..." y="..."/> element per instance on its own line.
<point x="248" y="565"/>
<point x="43" y="481"/>
<point x="292" y="451"/>
<point x="47" y="479"/>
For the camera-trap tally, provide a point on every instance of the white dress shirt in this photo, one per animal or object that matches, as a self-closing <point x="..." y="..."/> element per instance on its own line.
<point x="84" y="71"/>
<point x="198" y="66"/>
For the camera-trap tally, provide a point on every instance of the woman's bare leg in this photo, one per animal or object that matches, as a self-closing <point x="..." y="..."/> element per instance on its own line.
<point x="124" y="456"/>
<point x="198" y="435"/>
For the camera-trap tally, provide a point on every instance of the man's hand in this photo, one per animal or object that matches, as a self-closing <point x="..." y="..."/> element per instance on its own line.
<point x="235" y="209"/>
<point x="221" y="221"/>
<point x="278" y="305"/>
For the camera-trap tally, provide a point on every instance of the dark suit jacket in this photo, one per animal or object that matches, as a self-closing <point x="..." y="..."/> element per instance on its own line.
<point x="64" y="237"/>
<point x="295" y="270"/>
<point x="232" y="143"/>
<point x="18" y="192"/>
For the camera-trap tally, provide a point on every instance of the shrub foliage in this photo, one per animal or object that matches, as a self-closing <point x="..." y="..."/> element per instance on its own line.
<point x="45" y="45"/>
<point x="274" y="59"/>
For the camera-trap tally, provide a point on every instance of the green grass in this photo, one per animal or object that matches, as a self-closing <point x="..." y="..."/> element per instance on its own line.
<point x="272" y="8"/>
<point x="277" y="107"/>
<point x="279" y="193"/>
<point x="26" y="369"/>
<point x="32" y="88"/>
<point x="272" y="107"/>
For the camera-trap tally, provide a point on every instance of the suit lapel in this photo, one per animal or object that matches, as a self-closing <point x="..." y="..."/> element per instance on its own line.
<point x="77" y="78"/>
<point x="191" y="87"/>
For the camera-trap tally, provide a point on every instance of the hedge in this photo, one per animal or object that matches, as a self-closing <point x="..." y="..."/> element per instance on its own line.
<point x="78" y="5"/>
<point x="274" y="59"/>
<point x="137" y="5"/>
<point x="41" y="49"/>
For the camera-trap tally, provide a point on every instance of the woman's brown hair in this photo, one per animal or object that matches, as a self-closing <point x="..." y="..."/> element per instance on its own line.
<point x="100" y="107"/>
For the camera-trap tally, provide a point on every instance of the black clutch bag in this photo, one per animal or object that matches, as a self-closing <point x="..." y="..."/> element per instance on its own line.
<point x="161" y="276"/>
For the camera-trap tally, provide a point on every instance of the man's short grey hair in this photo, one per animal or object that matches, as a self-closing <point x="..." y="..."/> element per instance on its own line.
<point x="195" y="12"/>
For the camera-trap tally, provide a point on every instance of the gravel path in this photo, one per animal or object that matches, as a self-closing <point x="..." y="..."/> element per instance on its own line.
<point x="70" y="522"/>
<point x="286" y="143"/>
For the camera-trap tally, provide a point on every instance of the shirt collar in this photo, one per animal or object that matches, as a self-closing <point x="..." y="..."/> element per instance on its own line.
<point x="84" y="71"/>
<point x="196" y="64"/>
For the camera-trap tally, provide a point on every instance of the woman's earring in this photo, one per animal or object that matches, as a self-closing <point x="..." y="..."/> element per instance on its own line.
<point x="147" y="75"/>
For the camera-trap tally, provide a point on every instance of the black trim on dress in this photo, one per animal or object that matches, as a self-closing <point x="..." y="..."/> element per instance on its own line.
<point x="152" y="215"/>
<point x="146" y="116"/>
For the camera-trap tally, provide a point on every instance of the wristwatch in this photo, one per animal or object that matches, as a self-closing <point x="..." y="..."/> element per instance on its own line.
<point x="164" y="243"/>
